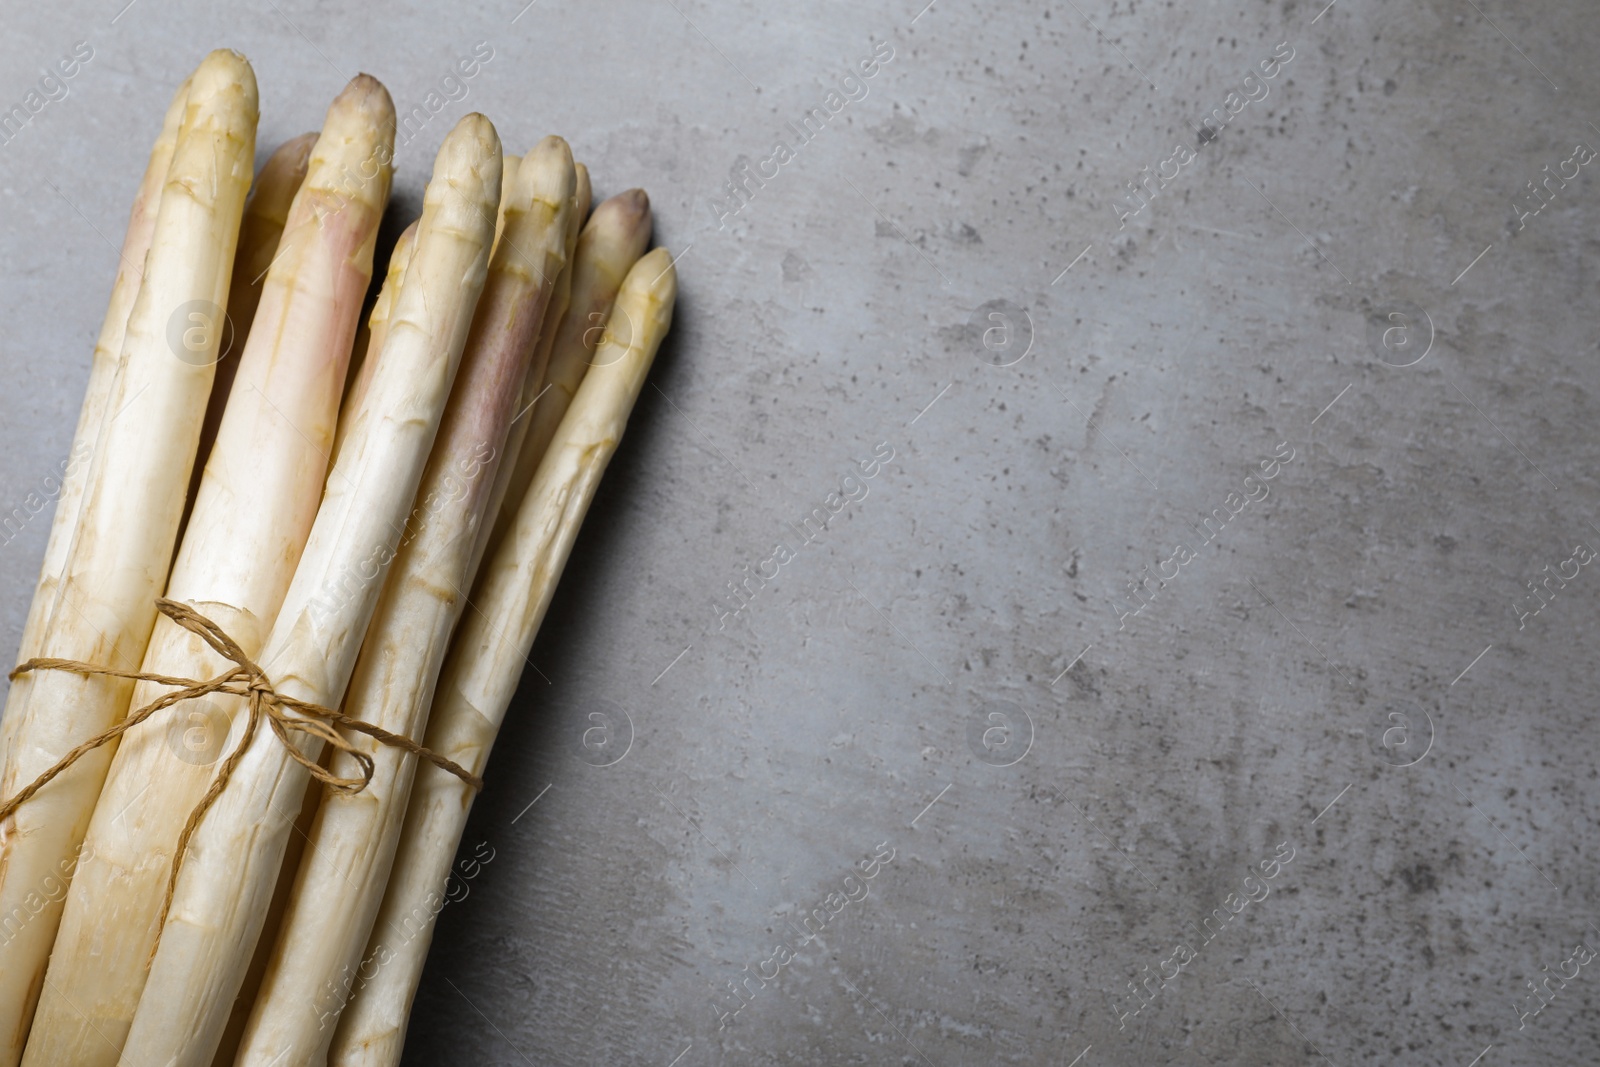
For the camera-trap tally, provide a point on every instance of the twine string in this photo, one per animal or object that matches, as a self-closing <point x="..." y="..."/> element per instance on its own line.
<point x="244" y="679"/>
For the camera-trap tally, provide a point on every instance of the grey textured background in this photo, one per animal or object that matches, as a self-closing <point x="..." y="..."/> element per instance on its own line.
<point x="748" y="768"/>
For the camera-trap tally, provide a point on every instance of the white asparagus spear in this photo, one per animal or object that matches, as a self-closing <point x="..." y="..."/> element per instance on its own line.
<point x="265" y="214"/>
<point x="561" y="298"/>
<point x="402" y="253"/>
<point x="118" y="561"/>
<point x="361" y="366"/>
<point x="351" y="844"/>
<point x="361" y="371"/>
<point x="253" y="513"/>
<point x="485" y="663"/>
<point x="239" y="1014"/>
<point x="611" y="242"/>
<point x="234" y="856"/>
<point x="377" y="333"/>
<point x="102" y="372"/>
<point x="369" y="339"/>
<point x="508" y="474"/>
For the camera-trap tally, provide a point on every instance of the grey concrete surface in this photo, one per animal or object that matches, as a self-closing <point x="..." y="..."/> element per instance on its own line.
<point x="996" y="665"/>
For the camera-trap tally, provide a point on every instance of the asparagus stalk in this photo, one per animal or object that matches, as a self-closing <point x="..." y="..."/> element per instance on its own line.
<point x="377" y="334"/>
<point x="554" y="311"/>
<point x="612" y="241"/>
<point x="117" y="562"/>
<point x="239" y="1014"/>
<point x="251" y="518"/>
<point x="351" y="845"/>
<point x="362" y="371"/>
<point x="102" y="373"/>
<point x="559" y="297"/>
<point x="265" y="214"/>
<point x="486" y="658"/>
<point x="562" y="296"/>
<point x="234" y="855"/>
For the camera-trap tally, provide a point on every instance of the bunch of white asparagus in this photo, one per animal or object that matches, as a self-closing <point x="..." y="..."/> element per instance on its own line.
<point x="333" y="495"/>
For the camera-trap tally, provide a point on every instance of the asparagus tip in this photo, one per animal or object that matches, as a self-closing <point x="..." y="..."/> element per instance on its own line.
<point x="551" y="143"/>
<point x="656" y="270"/>
<point x="366" y="101"/>
<point x="221" y="73"/>
<point x="475" y="127"/>
<point x="546" y="172"/>
<point x="624" y="217"/>
<point x="470" y="157"/>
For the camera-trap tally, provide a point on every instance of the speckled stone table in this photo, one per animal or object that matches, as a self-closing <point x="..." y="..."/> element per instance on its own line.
<point x="1099" y="572"/>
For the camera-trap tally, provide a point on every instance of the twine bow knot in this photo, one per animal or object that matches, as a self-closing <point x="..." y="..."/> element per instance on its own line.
<point x="244" y="679"/>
